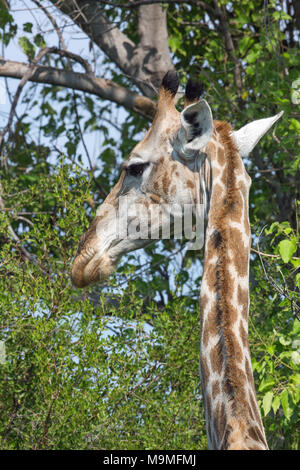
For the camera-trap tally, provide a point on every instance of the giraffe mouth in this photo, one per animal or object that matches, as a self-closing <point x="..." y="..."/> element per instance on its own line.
<point x="87" y="270"/>
<point x="92" y="262"/>
<point x="99" y="252"/>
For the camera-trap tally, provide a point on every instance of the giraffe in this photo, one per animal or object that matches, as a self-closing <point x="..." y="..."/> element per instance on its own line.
<point x="185" y="158"/>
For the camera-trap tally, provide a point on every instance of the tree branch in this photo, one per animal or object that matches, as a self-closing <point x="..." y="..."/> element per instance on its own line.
<point x="15" y="237"/>
<point x="105" y="89"/>
<point x="53" y="22"/>
<point x="24" y="79"/>
<point x="153" y="33"/>
<point x="229" y="46"/>
<point x="144" y="65"/>
<point x="135" y="4"/>
<point x="103" y="193"/>
<point x="89" y="17"/>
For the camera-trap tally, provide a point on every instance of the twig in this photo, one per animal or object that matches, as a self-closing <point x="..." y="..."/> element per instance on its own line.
<point x="269" y="255"/>
<point x="17" y="194"/>
<point x="53" y="21"/>
<point x="28" y="74"/>
<point x="32" y="67"/>
<point x="229" y="46"/>
<point x="20" y="217"/>
<point x="269" y="170"/>
<point x="266" y="22"/>
<point x="284" y="292"/>
<point x="138" y="3"/>
<point x="103" y="193"/>
<point x="104" y="88"/>
<point x="264" y="254"/>
<point x="71" y="55"/>
<point x="26" y="253"/>
<point x="89" y="71"/>
<point x="47" y="420"/>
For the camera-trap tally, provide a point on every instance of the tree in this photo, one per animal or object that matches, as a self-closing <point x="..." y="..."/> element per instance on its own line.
<point x="125" y="358"/>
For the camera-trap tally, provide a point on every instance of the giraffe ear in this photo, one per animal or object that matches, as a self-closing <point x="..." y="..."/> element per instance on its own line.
<point x="196" y="128"/>
<point x="248" y="136"/>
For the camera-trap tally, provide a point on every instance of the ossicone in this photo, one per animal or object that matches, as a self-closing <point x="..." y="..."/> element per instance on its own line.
<point x="167" y="92"/>
<point x="170" y="82"/>
<point x="193" y="91"/>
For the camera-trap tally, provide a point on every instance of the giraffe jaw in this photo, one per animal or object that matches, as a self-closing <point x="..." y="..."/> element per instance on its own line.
<point x="97" y="258"/>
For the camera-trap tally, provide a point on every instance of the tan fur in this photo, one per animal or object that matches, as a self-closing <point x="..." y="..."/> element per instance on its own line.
<point x="227" y="244"/>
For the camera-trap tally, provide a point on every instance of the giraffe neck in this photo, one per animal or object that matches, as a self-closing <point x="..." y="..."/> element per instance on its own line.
<point x="232" y="415"/>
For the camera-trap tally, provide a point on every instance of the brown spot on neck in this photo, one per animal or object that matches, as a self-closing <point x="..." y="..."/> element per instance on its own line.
<point x="166" y="182"/>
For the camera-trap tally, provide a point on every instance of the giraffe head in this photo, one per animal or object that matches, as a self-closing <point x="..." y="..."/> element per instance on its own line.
<point x="166" y="176"/>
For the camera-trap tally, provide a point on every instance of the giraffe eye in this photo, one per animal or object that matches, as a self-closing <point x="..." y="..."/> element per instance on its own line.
<point x="136" y="169"/>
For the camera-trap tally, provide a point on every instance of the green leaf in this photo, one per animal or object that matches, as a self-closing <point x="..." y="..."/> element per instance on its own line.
<point x="271" y="349"/>
<point x="296" y="327"/>
<point x="266" y="384"/>
<point x="174" y="43"/>
<point x="272" y="228"/>
<point x="295" y="357"/>
<point x="286" y="249"/>
<point x="296" y="264"/>
<point x="267" y="402"/>
<point x="27" y="46"/>
<point x="295" y="125"/>
<point x="39" y="40"/>
<point x="5" y="17"/>
<point x="284" y="398"/>
<point x="281" y="15"/>
<point x="27" y="27"/>
<point x="276" y="403"/>
<point x="284" y="340"/>
<point x="296" y="379"/>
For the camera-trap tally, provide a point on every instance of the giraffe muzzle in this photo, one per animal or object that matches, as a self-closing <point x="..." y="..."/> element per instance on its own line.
<point x="92" y="263"/>
<point x="86" y="271"/>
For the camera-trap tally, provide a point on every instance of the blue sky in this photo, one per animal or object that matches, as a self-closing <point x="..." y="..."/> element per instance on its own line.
<point x="25" y="11"/>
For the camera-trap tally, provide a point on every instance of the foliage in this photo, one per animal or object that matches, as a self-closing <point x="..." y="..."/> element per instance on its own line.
<point x="82" y="374"/>
<point x="275" y="328"/>
<point x="116" y="366"/>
